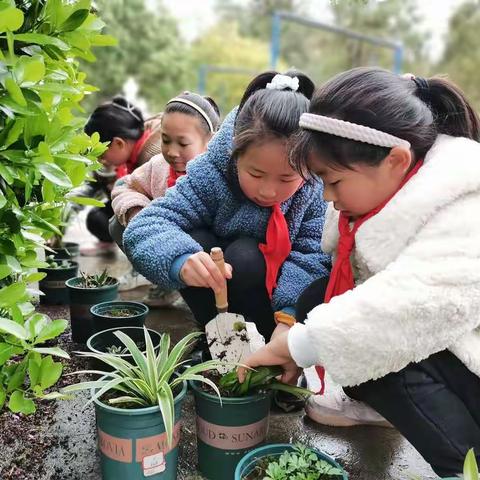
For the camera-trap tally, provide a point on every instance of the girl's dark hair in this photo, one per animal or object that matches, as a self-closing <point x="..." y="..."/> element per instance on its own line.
<point x="413" y="109"/>
<point x="207" y="104"/>
<point x="265" y="114"/>
<point x="118" y="118"/>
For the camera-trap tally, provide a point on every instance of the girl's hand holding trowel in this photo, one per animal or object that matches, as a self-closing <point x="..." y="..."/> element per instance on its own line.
<point x="199" y="270"/>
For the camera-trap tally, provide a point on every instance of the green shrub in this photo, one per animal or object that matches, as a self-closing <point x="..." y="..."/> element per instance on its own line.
<point x="43" y="155"/>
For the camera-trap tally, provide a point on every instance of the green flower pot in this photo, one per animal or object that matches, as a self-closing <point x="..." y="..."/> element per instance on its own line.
<point x="226" y="433"/>
<point x="100" y="342"/>
<point x="104" y="317"/>
<point x="67" y="251"/>
<point x="250" y="460"/>
<point x="81" y="300"/>
<point x="133" y="443"/>
<point x="53" y="285"/>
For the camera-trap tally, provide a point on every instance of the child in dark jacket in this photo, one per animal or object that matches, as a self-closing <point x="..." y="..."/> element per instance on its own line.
<point x="241" y="195"/>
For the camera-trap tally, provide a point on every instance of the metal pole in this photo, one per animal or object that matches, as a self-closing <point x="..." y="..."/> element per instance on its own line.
<point x="202" y="79"/>
<point x="398" y="59"/>
<point x="380" y="42"/>
<point x="275" y="41"/>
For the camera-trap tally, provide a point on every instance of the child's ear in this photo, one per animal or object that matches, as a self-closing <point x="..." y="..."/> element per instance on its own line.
<point x="118" y="142"/>
<point x="400" y="159"/>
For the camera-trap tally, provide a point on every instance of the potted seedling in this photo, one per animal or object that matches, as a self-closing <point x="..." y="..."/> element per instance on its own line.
<point x="86" y="291"/>
<point x="288" y="462"/>
<point x="56" y="246"/>
<point x="118" y="313"/>
<point x="53" y="284"/>
<point x="230" y="426"/>
<point x="138" y="407"/>
<point x="106" y="341"/>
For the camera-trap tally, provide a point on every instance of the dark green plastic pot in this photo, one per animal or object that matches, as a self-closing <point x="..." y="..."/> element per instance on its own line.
<point x="101" y="341"/>
<point x="53" y="285"/>
<point x="133" y="443"/>
<point x="81" y="300"/>
<point x="67" y="251"/>
<point x="103" y="319"/>
<point x="226" y="433"/>
<point x="250" y="460"/>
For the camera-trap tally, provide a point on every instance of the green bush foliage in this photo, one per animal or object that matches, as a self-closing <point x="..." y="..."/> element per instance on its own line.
<point x="43" y="155"/>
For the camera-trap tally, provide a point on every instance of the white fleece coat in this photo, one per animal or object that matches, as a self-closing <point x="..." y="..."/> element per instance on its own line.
<point x="418" y="277"/>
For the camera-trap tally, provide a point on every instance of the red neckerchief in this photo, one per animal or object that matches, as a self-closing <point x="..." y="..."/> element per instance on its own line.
<point x="277" y="247"/>
<point x="341" y="278"/>
<point x="173" y="176"/>
<point x="131" y="164"/>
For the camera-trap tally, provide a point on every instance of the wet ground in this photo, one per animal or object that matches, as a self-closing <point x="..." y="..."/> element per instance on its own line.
<point x="367" y="453"/>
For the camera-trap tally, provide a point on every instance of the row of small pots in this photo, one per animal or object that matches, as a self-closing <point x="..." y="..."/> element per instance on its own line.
<point x="91" y="309"/>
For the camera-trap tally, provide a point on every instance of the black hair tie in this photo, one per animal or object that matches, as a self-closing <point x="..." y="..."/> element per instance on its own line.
<point x="421" y="83"/>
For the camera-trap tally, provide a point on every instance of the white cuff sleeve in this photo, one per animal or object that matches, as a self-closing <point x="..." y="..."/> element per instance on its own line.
<point x="300" y="346"/>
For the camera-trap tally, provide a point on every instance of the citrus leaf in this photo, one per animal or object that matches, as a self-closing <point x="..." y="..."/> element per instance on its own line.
<point x="55" y="174"/>
<point x="10" y="19"/>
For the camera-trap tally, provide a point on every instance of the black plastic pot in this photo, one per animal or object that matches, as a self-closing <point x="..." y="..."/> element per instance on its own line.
<point x="66" y="251"/>
<point x="101" y="341"/>
<point x="103" y="318"/>
<point x="53" y="285"/>
<point x="81" y="300"/>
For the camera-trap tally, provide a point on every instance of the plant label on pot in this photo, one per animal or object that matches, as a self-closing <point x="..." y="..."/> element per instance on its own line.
<point x="154" y="464"/>
<point x="231" y="339"/>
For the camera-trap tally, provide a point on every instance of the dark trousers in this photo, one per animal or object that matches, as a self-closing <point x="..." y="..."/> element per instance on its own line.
<point x="435" y="403"/>
<point x="97" y="222"/>
<point x="247" y="294"/>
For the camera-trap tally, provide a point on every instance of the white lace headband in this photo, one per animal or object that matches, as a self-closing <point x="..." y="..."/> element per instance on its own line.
<point x="200" y="110"/>
<point x="353" y="131"/>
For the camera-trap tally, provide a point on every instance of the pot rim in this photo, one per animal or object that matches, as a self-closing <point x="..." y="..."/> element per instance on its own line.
<point x="50" y="269"/>
<point x="114" y="303"/>
<point x="227" y="400"/>
<point x="258" y="453"/>
<point x="105" y="287"/>
<point x="123" y="355"/>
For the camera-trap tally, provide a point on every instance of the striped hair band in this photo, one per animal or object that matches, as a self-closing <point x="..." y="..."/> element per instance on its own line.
<point x="200" y="110"/>
<point x="128" y="109"/>
<point x="352" y="131"/>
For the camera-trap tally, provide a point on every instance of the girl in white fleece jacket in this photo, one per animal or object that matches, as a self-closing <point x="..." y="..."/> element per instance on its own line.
<point x="399" y="327"/>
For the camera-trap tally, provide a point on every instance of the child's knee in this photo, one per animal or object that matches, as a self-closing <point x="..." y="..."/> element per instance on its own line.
<point x="247" y="262"/>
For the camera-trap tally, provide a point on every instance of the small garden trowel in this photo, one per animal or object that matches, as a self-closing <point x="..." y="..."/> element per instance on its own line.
<point x="230" y="338"/>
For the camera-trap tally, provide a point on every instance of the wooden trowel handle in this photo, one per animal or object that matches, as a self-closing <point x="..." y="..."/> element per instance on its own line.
<point x="221" y="300"/>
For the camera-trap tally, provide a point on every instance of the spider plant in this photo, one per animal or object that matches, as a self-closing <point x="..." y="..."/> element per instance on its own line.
<point x="150" y="380"/>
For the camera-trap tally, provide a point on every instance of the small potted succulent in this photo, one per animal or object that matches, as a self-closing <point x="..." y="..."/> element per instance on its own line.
<point x="288" y="462"/>
<point x="84" y="292"/>
<point x="138" y="407"/>
<point x="118" y="313"/>
<point x="230" y="426"/>
<point x="106" y="341"/>
<point x="53" y="284"/>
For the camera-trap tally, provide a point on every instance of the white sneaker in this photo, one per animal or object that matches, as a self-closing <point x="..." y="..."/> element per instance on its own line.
<point x="336" y="409"/>
<point x="132" y="280"/>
